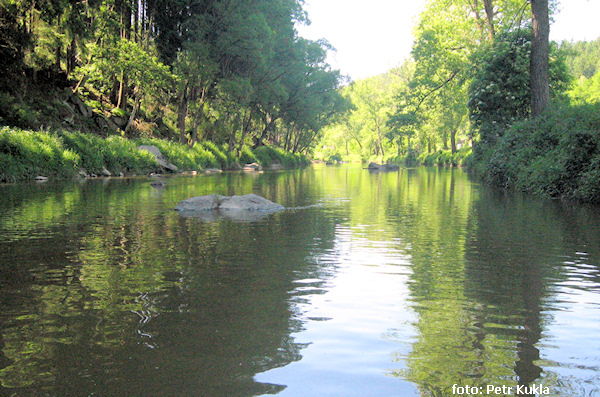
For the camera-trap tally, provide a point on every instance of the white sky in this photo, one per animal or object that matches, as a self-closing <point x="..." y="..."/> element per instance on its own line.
<point x="373" y="36"/>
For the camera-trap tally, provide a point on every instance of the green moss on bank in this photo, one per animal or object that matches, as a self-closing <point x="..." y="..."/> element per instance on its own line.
<point x="25" y="154"/>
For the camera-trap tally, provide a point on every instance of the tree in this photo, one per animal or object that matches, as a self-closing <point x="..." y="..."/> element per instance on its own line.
<point x="127" y="59"/>
<point x="540" y="47"/>
<point x="500" y="93"/>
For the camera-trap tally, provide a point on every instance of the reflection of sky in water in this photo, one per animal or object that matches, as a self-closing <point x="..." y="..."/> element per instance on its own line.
<point x="362" y="309"/>
<point x="569" y="346"/>
<point x="365" y="321"/>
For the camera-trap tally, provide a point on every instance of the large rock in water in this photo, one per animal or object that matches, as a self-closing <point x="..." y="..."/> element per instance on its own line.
<point x="382" y="167"/>
<point x="249" y="202"/>
<point x="200" y="203"/>
<point x="247" y="208"/>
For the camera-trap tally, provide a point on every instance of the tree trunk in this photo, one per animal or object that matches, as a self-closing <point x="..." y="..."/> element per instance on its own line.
<point x="136" y="107"/>
<point x="489" y="18"/>
<point x="245" y="131"/>
<point x="475" y="9"/>
<point x="57" y="55"/>
<point x="197" y="118"/>
<point x="136" y="21"/>
<point x="182" y="114"/>
<point x="121" y="95"/>
<point x="453" y="141"/>
<point x="380" y="141"/>
<point x="268" y="125"/>
<point x="538" y="67"/>
<point x="234" y="129"/>
<point x="71" y="60"/>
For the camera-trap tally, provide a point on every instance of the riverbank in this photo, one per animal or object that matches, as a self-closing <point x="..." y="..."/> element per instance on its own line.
<point x="26" y="154"/>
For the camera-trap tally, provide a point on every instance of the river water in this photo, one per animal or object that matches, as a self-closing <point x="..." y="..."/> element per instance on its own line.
<point x="411" y="283"/>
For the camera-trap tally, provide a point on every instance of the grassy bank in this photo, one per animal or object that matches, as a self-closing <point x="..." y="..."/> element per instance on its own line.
<point x="556" y="155"/>
<point x="442" y="158"/>
<point x="445" y="157"/>
<point x="25" y="154"/>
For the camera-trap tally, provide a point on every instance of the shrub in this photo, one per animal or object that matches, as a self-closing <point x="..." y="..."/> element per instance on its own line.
<point x="556" y="155"/>
<point x="121" y="155"/>
<point x="265" y="155"/>
<point x="176" y="153"/>
<point x="247" y="156"/>
<point x="499" y="95"/>
<point x="89" y="148"/>
<point x="26" y="154"/>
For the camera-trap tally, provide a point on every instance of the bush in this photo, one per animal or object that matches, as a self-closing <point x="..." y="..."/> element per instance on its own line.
<point x="176" y="153"/>
<point x="445" y="157"/>
<point x="114" y="153"/>
<point x="265" y="155"/>
<point x="499" y="95"/>
<point x="89" y="147"/>
<point x="16" y="113"/>
<point x="122" y="155"/>
<point x="556" y="155"/>
<point x="247" y="156"/>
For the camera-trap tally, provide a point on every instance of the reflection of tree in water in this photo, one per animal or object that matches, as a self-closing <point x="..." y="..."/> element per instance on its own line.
<point x="480" y="274"/>
<point x="127" y="297"/>
<point x="513" y="259"/>
<point x="434" y="208"/>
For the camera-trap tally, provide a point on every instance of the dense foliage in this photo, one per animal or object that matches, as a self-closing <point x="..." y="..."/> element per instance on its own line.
<point x="232" y="72"/>
<point x="499" y="94"/>
<point x="470" y="82"/>
<point x="556" y="155"/>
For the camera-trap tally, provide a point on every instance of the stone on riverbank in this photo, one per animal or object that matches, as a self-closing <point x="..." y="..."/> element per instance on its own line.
<point x="160" y="159"/>
<point x="252" y="167"/>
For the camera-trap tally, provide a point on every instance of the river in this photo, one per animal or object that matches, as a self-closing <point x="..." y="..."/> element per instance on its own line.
<point x="418" y="282"/>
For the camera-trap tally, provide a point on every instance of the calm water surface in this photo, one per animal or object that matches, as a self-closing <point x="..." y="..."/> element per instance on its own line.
<point x="395" y="284"/>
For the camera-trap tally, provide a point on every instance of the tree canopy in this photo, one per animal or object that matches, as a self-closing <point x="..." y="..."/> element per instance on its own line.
<point x="231" y="71"/>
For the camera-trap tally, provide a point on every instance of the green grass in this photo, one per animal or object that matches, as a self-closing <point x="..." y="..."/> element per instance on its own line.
<point x="25" y="154"/>
<point x="266" y="156"/>
<point x="445" y="157"/>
